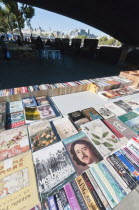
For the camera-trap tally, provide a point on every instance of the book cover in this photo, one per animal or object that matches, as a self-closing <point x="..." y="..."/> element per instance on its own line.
<point x="14" y="120"/>
<point x="42" y="101"/>
<point x="29" y="102"/>
<point x="13" y="142"/>
<point x="64" y="199"/>
<point x="71" y="197"/>
<point x="32" y="113"/>
<point x="58" y="201"/>
<point x="90" y="202"/>
<point x="132" y="103"/>
<point x="78" y="118"/>
<point x="98" y="190"/>
<point x="123" y="105"/>
<point x="44" y="206"/>
<point x="65" y="128"/>
<point x="130" y="154"/>
<point x="134" y="124"/>
<point x="122" y="172"/>
<point x="53" y="169"/>
<point x="128" y="116"/>
<point x="41" y="135"/>
<point x="15" y="106"/>
<point x="78" y="195"/>
<point x="81" y="151"/>
<point x="93" y="191"/>
<point x="121" y="127"/>
<point x="101" y="137"/>
<point x="2" y="122"/>
<point x="117" y="187"/>
<point x="51" y="203"/>
<point x="104" y="112"/>
<point x="91" y="113"/>
<point x="18" y="188"/>
<point x="2" y="107"/>
<point x="133" y="147"/>
<point x="46" y="111"/>
<point x="117" y="111"/>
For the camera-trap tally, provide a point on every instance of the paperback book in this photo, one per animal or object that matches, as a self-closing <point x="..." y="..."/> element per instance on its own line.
<point x="101" y="137"/>
<point x="65" y="128"/>
<point x="42" y="101"/>
<point x="29" y="102"/>
<point x="64" y="200"/>
<point x="32" y="114"/>
<point x="78" y="119"/>
<point x="14" y="120"/>
<point x="91" y="113"/>
<point x="104" y="112"/>
<point x="14" y="106"/>
<point x="46" y="111"/>
<point x="123" y="105"/>
<point x="2" y="107"/>
<point x="117" y="111"/>
<point x="81" y="151"/>
<point x="17" y="183"/>
<point x="41" y="135"/>
<point x="2" y="122"/>
<point x="53" y="169"/>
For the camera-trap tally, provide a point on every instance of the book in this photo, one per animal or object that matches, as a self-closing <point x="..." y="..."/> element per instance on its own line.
<point x="81" y="151"/>
<point x="15" y="119"/>
<point x="101" y="137"/>
<point x="71" y="197"/>
<point x="128" y="116"/>
<point x="53" y="169"/>
<point x="51" y="203"/>
<point x="132" y="103"/>
<point x="114" y="123"/>
<point x="17" y="183"/>
<point x="64" y="199"/>
<point x="103" y="111"/>
<point x="93" y="191"/>
<point x="41" y="135"/>
<point x="123" y="105"/>
<point x="58" y="201"/>
<point x="2" y="107"/>
<point x="90" y="202"/>
<point x="29" y="102"/>
<point x="98" y="191"/>
<point x="15" y="106"/>
<point x="2" y="122"/>
<point x="78" y="118"/>
<point x="64" y="128"/>
<point x="13" y="142"/>
<point x="32" y="113"/>
<point x="78" y="195"/>
<point x="46" y="111"/>
<point x="91" y="113"/>
<point x="117" y="111"/>
<point x="44" y="206"/>
<point x="42" y="101"/>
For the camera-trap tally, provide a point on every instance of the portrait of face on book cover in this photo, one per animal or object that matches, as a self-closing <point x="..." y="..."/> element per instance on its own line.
<point x="83" y="154"/>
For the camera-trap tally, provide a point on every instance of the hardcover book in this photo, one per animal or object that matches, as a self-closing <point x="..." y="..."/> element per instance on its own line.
<point x="123" y="129"/>
<point x="41" y="135"/>
<point x="104" y="112"/>
<point x="65" y="128"/>
<point x="15" y="106"/>
<point x="78" y="118"/>
<point x="101" y="137"/>
<point x="15" y="120"/>
<point x="91" y="113"/>
<point x="29" y="102"/>
<point x="13" y="142"/>
<point x="81" y="151"/>
<point x="18" y="188"/>
<point x="115" y="109"/>
<point x="123" y="105"/>
<point x="42" y="101"/>
<point x="46" y="111"/>
<point x="53" y="169"/>
<point x="32" y="113"/>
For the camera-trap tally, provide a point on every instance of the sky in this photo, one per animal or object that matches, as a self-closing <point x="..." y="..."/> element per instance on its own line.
<point x="49" y="20"/>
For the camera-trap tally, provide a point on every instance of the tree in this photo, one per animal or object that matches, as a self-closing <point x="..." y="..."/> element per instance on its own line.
<point x="81" y="37"/>
<point x="22" y="13"/>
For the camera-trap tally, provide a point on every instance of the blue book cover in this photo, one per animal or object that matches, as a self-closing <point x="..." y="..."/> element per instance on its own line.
<point x="29" y="102"/>
<point x="127" y="164"/>
<point x="51" y="203"/>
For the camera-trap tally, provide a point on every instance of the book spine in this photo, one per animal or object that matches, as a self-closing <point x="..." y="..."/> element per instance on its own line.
<point x="130" y="159"/>
<point x="122" y="172"/>
<point x="71" y="197"/>
<point x="51" y="203"/>
<point x="131" y="154"/>
<point x="58" y="201"/>
<point x="64" y="199"/>
<point x="98" y="190"/>
<point x="93" y="192"/>
<point x="90" y="202"/>
<point x="78" y="195"/>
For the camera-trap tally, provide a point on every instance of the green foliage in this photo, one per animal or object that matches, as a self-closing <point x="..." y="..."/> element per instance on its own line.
<point x="81" y="37"/>
<point x="105" y="41"/>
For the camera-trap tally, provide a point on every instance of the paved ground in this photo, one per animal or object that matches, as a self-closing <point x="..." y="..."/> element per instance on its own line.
<point x="16" y="73"/>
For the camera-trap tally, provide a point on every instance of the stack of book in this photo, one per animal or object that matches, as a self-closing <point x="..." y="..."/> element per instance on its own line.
<point x="88" y="159"/>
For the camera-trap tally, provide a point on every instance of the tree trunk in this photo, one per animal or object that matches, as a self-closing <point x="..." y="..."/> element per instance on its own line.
<point x="18" y="21"/>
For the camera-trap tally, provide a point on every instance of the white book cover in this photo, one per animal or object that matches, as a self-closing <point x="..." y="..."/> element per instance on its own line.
<point x="103" y="111"/>
<point x="102" y="137"/>
<point x="15" y="106"/>
<point x="65" y="128"/>
<point x="117" y="111"/>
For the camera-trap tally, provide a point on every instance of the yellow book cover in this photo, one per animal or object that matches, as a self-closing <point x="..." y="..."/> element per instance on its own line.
<point x="18" y="190"/>
<point x="90" y="202"/>
<point x="94" y="88"/>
